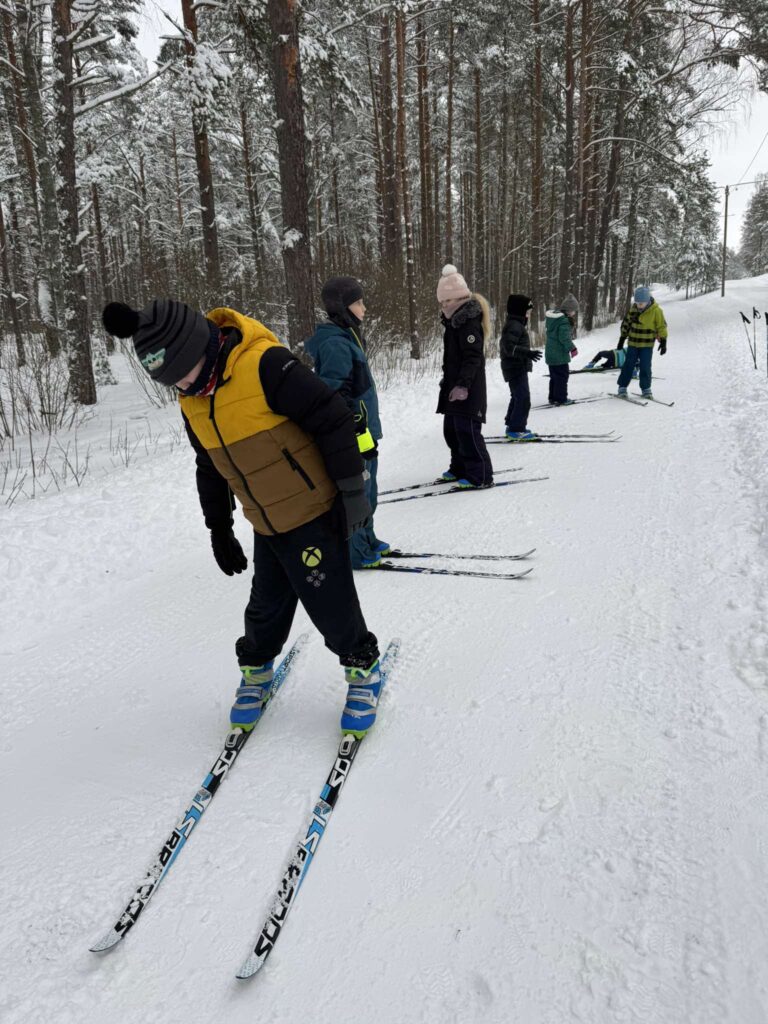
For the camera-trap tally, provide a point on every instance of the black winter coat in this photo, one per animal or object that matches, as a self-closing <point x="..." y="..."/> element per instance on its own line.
<point x="514" y="347"/>
<point x="464" y="362"/>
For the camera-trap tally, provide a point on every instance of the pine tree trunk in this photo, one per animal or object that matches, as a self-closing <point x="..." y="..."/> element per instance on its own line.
<point x="8" y="287"/>
<point x="480" y="271"/>
<point x="294" y="191"/>
<point x="584" y="139"/>
<point x="378" y="153"/>
<point x="204" y="170"/>
<point x="254" y="217"/>
<point x="536" y="169"/>
<point x="50" y="235"/>
<point x="410" y="270"/>
<point x="77" y="341"/>
<point x="390" y="195"/>
<point x="425" y="162"/>
<point x="565" y="282"/>
<point x="449" y="151"/>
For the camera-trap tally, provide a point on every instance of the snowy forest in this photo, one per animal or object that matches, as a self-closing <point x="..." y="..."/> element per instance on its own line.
<point x="547" y="146"/>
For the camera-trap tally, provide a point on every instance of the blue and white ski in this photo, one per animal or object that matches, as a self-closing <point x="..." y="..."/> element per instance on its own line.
<point x="304" y="853"/>
<point x="176" y="841"/>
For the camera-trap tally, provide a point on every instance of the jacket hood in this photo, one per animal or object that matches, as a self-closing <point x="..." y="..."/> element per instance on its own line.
<point x="469" y="311"/>
<point x="518" y="305"/>
<point x="554" y="314"/>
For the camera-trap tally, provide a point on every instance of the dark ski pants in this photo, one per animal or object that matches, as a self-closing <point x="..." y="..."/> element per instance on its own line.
<point x="643" y="356"/>
<point x="519" y="402"/>
<point x="363" y="542"/>
<point x="609" y="356"/>
<point x="469" y="456"/>
<point x="310" y="564"/>
<point x="558" y="383"/>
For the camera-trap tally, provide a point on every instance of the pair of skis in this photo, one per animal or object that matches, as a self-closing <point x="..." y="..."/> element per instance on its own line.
<point x="565" y="439"/>
<point x="640" y="399"/>
<point x="458" y="490"/>
<point x="302" y="855"/>
<point x="428" y="570"/>
<point x="440" y="482"/>
<point x="570" y="402"/>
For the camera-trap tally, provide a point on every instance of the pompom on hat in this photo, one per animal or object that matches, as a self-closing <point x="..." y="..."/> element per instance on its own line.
<point x="170" y="337"/>
<point x="452" y="287"/>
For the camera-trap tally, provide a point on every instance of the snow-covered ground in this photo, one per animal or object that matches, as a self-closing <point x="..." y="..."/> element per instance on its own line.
<point x="561" y="813"/>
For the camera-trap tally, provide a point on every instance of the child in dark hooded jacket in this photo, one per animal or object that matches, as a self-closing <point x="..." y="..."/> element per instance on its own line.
<point x="338" y="350"/>
<point x="517" y="359"/>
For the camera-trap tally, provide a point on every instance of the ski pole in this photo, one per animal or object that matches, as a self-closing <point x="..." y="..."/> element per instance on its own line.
<point x="766" y="342"/>
<point x="745" y="320"/>
<point x="755" y="318"/>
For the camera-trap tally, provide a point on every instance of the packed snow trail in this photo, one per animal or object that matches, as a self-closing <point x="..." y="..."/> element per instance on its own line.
<point x="559" y="816"/>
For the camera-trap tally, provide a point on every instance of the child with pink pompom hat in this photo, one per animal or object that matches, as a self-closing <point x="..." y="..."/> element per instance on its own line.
<point x="463" y="399"/>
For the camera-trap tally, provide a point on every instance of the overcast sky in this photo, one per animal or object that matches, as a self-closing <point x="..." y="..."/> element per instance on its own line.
<point x="730" y="153"/>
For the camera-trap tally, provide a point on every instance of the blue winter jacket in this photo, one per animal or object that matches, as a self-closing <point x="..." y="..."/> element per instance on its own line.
<point x="340" y="361"/>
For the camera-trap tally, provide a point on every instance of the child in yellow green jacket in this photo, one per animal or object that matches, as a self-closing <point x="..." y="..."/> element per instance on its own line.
<point x="640" y="328"/>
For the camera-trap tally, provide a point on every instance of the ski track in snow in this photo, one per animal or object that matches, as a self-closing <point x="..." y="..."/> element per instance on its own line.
<point x="560" y="815"/>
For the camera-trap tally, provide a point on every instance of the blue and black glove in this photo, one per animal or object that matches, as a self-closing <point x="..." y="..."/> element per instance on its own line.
<point x="357" y="509"/>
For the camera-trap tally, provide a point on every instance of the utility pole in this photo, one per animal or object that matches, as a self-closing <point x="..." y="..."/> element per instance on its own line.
<point x="725" y="229"/>
<point x="725" y="241"/>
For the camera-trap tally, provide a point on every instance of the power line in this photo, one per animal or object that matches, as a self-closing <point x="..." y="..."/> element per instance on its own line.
<point x="739" y="182"/>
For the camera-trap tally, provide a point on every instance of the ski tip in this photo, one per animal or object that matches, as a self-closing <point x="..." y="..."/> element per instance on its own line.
<point x="250" y="967"/>
<point x="108" y="941"/>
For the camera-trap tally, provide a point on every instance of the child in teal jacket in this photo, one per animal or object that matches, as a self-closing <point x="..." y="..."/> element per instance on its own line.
<point x="559" y="349"/>
<point x="337" y="349"/>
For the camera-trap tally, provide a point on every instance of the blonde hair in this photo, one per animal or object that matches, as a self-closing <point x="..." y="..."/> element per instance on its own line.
<point x="483" y="303"/>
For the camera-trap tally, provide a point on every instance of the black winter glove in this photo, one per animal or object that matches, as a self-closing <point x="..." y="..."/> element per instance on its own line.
<point x="356" y="507"/>
<point x="662" y="346"/>
<point x="227" y="551"/>
<point x="535" y="354"/>
<point x="621" y="343"/>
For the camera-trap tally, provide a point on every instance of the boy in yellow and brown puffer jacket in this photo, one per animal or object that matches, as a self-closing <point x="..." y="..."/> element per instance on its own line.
<point x="268" y="432"/>
<point x="640" y="328"/>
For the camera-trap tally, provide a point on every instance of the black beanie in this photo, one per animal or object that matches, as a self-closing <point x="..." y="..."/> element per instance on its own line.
<point x="338" y="293"/>
<point x="518" y="305"/>
<point x="170" y="337"/>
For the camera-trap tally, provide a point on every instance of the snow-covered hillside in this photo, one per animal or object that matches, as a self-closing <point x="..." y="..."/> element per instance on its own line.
<point x="560" y="816"/>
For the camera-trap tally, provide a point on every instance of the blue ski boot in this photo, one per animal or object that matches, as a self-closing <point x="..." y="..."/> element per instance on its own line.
<point x="647" y="393"/>
<point x="383" y="549"/>
<point x="467" y="485"/>
<point x="252" y="694"/>
<point x="370" y="563"/>
<point x="622" y="393"/>
<point x="363" y="690"/>
<point x="447" y="477"/>
<point x="520" y="435"/>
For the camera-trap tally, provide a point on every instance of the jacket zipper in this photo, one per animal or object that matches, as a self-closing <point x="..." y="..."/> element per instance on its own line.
<point x="296" y="467"/>
<point x="236" y="468"/>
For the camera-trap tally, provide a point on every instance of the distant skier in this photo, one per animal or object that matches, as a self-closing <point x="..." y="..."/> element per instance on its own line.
<point x="268" y="431"/>
<point x="339" y="352"/>
<point x="643" y="324"/>
<point x="517" y="359"/>
<point x="612" y="359"/>
<point x="559" y="348"/>
<point x="463" y="401"/>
